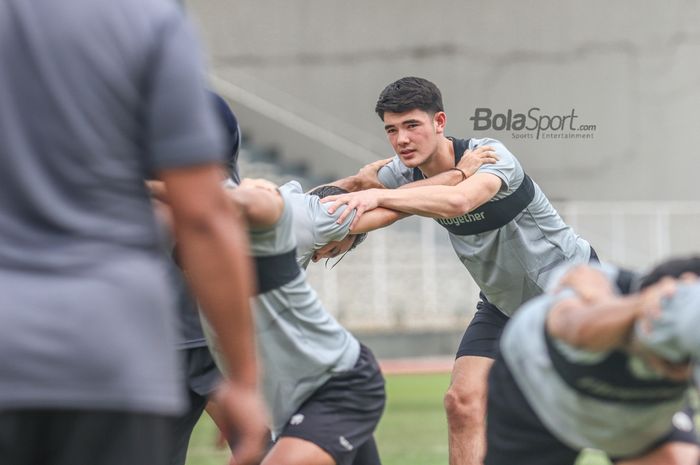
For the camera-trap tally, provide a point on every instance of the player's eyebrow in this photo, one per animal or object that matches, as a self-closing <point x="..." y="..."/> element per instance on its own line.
<point x="402" y="123"/>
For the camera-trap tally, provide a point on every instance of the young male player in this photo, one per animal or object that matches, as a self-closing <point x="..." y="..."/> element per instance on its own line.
<point x="502" y="227"/>
<point x="588" y="366"/>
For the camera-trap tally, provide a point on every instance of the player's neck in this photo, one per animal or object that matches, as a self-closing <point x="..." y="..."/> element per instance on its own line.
<point x="442" y="160"/>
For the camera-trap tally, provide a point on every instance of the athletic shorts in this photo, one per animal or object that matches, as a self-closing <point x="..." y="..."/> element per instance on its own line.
<point x="201" y="378"/>
<point x="201" y="374"/>
<point x="340" y="417"/>
<point x="484" y="331"/>
<point x="515" y="435"/>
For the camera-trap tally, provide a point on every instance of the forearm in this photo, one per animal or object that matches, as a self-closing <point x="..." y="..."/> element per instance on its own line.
<point x="213" y="252"/>
<point x="430" y="201"/>
<point x="601" y="326"/>
<point x="376" y="219"/>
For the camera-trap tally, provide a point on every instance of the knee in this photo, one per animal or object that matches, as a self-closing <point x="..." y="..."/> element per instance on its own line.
<point x="465" y="405"/>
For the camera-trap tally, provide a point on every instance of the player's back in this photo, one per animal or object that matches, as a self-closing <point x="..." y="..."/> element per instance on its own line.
<point x="300" y="344"/>
<point x="74" y="82"/>
<point x="91" y="91"/>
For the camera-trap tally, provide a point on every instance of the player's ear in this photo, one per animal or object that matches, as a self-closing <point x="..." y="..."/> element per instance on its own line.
<point x="439" y="121"/>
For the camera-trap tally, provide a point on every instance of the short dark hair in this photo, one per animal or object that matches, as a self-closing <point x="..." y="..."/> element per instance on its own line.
<point x="325" y="191"/>
<point x="673" y="268"/>
<point x="409" y="93"/>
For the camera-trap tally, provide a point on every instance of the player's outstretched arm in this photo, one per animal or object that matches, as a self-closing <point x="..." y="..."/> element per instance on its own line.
<point x="429" y="201"/>
<point x="601" y="320"/>
<point x="376" y="219"/>
<point x="260" y="202"/>
<point x="212" y="247"/>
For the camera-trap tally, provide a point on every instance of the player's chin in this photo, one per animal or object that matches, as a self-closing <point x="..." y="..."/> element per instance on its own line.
<point x="411" y="160"/>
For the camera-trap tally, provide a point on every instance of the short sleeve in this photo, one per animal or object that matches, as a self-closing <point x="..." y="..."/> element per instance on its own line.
<point x="182" y="128"/>
<point x="395" y="174"/>
<point x="326" y="228"/>
<point x="507" y="168"/>
<point x="291" y="187"/>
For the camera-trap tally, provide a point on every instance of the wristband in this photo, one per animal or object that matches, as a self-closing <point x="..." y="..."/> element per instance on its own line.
<point x="464" y="175"/>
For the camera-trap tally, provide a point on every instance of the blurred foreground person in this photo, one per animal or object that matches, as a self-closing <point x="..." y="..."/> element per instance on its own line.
<point x="584" y="366"/>
<point x="96" y="97"/>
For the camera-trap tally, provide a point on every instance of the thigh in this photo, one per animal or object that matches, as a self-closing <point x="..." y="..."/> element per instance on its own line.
<point x="297" y="451"/>
<point x="514" y="433"/>
<point x="469" y="375"/>
<point x="484" y="331"/>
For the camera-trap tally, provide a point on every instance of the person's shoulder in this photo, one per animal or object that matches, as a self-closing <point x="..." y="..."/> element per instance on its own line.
<point x="495" y="143"/>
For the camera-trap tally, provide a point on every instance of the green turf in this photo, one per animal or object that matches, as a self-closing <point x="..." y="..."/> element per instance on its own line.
<point x="412" y="432"/>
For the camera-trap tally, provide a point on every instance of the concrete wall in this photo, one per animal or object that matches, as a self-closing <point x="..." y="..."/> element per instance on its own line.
<point x="629" y="68"/>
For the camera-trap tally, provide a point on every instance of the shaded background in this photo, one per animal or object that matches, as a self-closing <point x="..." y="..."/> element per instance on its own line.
<point x="303" y="77"/>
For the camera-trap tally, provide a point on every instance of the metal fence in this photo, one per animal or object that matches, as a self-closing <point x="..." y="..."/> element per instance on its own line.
<point x="406" y="277"/>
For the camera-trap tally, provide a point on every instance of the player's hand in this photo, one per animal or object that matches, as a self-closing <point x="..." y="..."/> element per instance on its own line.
<point x="472" y="160"/>
<point x="243" y="421"/>
<point x="259" y="184"/>
<point x="360" y="201"/>
<point x="369" y="173"/>
<point x="590" y="284"/>
<point x="651" y="299"/>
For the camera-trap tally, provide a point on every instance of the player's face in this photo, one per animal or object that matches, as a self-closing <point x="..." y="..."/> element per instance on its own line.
<point x="414" y="135"/>
<point x="334" y="248"/>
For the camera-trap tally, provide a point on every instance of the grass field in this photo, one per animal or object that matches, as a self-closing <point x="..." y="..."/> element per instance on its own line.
<point x="412" y="432"/>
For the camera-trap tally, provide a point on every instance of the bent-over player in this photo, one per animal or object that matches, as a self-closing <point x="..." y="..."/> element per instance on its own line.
<point x="323" y="388"/>
<point x="586" y="366"/>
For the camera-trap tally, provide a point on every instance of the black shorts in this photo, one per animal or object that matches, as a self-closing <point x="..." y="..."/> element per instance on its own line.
<point x="515" y="435"/>
<point x="484" y="331"/>
<point x="69" y="437"/>
<point x="340" y="417"/>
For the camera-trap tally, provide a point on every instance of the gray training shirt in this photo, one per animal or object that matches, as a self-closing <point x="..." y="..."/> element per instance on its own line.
<point x="96" y="96"/>
<point x="512" y="264"/>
